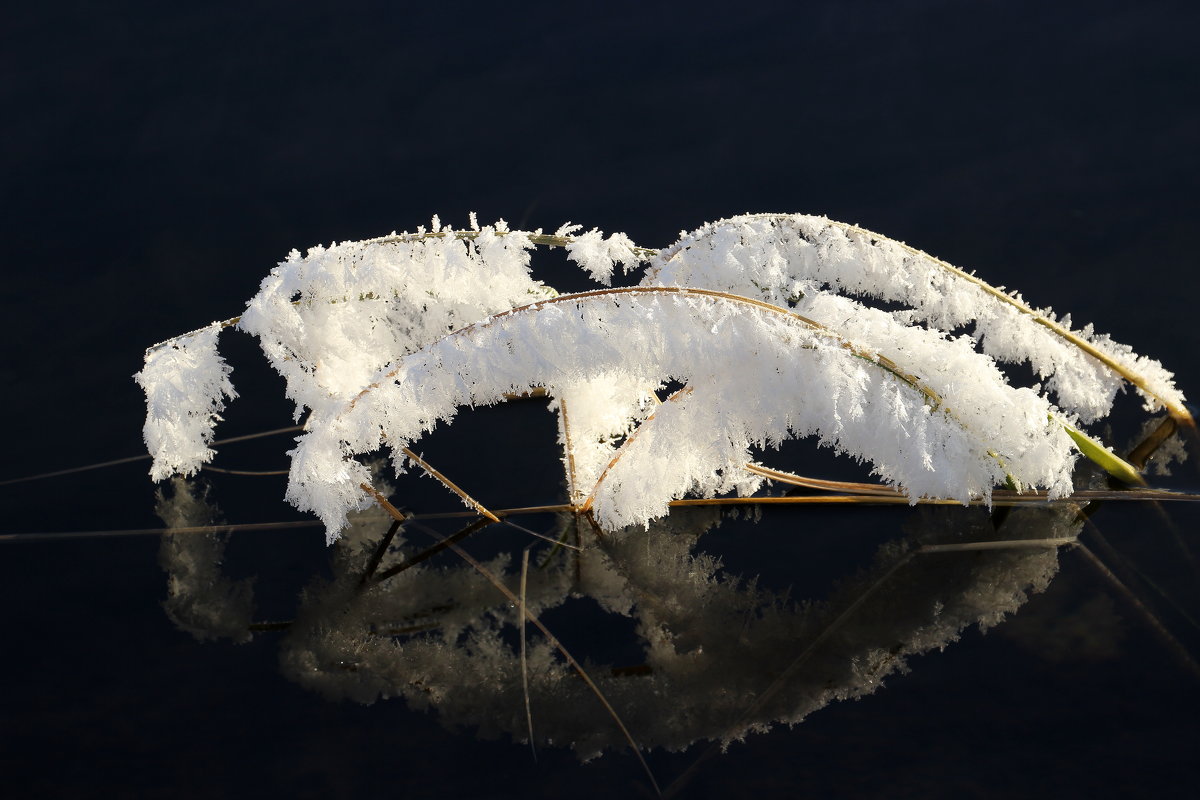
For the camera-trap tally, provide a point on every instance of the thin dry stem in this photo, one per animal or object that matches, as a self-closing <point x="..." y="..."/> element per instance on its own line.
<point x="524" y="660"/>
<point x="587" y="504"/>
<point x="823" y="485"/>
<point x="449" y="484"/>
<point x="142" y="457"/>
<point x="572" y="485"/>
<point x="1000" y="497"/>
<point x="384" y="503"/>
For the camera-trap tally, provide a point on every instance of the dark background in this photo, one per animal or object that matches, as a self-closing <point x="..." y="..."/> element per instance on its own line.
<point x="157" y="159"/>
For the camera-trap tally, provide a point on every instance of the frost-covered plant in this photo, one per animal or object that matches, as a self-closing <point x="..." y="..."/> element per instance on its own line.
<point x="760" y="317"/>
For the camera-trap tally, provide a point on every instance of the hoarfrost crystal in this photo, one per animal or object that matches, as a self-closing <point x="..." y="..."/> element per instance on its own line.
<point x="761" y="318"/>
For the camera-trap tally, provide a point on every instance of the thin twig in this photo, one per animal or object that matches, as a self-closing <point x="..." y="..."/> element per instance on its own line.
<point x="524" y="662"/>
<point x="449" y="484"/>
<point x="430" y="552"/>
<point x="1155" y="624"/>
<point x="257" y="473"/>
<point x="534" y="534"/>
<point x="823" y="485"/>
<point x="143" y="457"/>
<point x="384" y="503"/>
<point x="67" y="536"/>
<point x="503" y="512"/>
<point x="572" y="486"/>
<point x="380" y="552"/>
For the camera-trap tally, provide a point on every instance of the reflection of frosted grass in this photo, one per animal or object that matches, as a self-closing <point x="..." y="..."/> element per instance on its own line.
<point x="727" y="658"/>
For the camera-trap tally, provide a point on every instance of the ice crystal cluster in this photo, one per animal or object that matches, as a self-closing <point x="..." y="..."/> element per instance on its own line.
<point x="762" y="318"/>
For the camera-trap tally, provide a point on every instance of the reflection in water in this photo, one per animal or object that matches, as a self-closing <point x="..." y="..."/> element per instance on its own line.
<point x="200" y="599"/>
<point x="722" y="657"/>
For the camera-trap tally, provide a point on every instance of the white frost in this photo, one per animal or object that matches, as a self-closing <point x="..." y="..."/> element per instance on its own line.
<point x="186" y="382"/>
<point x="779" y="256"/>
<point x="761" y="317"/>
<point x="751" y="373"/>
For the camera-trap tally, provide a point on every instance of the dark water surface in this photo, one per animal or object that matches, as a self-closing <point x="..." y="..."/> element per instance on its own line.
<point x="157" y="162"/>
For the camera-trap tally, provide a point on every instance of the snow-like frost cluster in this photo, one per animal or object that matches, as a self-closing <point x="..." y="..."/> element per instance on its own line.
<point x="780" y="256"/>
<point x="599" y="256"/>
<point x="186" y="382"/>
<point x="329" y="320"/>
<point x="760" y="317"/>
<point x="750" y="384"/>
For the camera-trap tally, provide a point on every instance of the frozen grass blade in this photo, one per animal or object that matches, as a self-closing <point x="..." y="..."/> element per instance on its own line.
<point x="855" y="261"/>
<point x="1106" y="459"/>
<point x="1176" y="409"/>
<point x="451" y="346"/>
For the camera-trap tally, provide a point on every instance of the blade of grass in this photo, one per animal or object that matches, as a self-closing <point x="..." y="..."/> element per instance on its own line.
<point x="66" y="536"/>
<point x="823" y="485"/>
<point x="573" y="492"/>
<point x="535" y="534"/>
<point x="1106" y="459"/>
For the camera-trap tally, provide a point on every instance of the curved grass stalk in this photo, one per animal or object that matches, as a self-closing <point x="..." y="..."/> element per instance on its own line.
<point x="1176" y="409"/>
<point x="1173" y="405"/>
<point x="882" y="362"/>
<point x="445" y="346"/>
<point x="537" y="238"/>
<point x="823" y="485"/>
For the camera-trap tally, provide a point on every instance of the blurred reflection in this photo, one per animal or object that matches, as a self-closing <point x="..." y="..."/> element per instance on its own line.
<point x="722" y="657"/>
<point x="200" y="599"/>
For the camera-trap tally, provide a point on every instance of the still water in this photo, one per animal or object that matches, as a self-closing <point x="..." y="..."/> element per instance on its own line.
<point x="159" y="158"/>
<point x="813" y="650"/>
